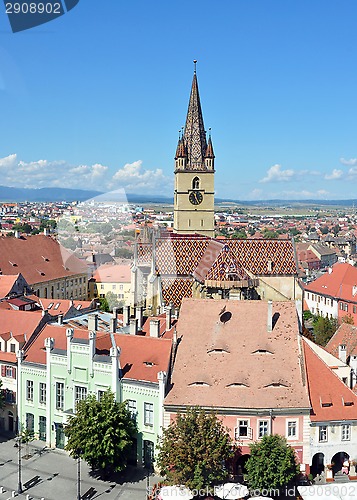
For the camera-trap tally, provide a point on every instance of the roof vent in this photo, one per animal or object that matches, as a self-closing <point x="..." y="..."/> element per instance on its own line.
<point x="237" y="384"/>
<point x="224" y="315"/>
<point x="199" y="384"/>
<point x="149" y="363"/>
<point x="218" y="350"/>
<point x="12" y="263"/>
<point x="276" y="384"/>
<point x="45" y="259"/>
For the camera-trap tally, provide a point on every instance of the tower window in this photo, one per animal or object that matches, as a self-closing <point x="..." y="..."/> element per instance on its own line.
<point x="189" y="223"/>
<point x="195" y="183"/>
<point x="202" y="222"/>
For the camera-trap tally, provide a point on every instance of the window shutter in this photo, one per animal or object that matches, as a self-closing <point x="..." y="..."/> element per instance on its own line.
<point x="13" y="372"/>
<point x="3" y="370"/>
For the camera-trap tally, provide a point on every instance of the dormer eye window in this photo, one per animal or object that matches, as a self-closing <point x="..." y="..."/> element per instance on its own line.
<point x="195" y="183"/>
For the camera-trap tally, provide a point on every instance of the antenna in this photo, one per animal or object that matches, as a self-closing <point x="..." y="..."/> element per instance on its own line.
<point x="195" y="62"/>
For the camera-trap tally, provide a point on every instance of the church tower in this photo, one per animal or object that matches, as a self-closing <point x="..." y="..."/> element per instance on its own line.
<point x="194" y="173"/>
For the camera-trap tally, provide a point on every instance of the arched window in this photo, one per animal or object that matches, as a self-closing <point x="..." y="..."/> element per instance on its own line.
<point x="196" y="183"/>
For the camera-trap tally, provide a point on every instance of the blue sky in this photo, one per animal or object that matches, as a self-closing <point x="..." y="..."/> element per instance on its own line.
<point x="95" y="98"/>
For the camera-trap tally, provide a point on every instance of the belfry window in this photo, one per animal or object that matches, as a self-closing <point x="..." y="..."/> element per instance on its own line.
<point x="195" y="183"/>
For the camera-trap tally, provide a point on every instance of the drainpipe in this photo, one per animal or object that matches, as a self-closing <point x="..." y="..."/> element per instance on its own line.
<point x="49" y="344"/>
<point x="20" y="357"/>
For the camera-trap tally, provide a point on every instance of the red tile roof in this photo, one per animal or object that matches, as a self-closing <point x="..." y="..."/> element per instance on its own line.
<point x="142" y="358"/>
<point x="330" y="398"/>
<point x="339" y="283"/>
<point x="113" y="274"/>
<point x="345" y="335"/>
<point x="227" y="358"/>
<point x="19" y="322"/>
<point x="6" y="284"/>
<point x="39" y="258"/>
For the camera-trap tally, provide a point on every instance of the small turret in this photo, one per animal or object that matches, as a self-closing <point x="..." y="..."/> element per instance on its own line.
<point x="209" y="156"/>
<point x="181" y="154"/>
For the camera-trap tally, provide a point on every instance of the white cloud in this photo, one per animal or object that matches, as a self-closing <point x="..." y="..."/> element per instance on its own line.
<point x="335" y="174"/>
<point x="134" y="178"/>
<point x="276" y="174"/>
<point x="46" y="173"/>
<point x="351" y="162"/>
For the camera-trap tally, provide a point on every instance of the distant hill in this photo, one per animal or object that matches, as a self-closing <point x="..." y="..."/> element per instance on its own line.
<point x="11" y="194"/>
<point x="44" y="194"/>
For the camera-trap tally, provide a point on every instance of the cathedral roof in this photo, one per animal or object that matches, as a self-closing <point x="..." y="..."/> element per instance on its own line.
<point x="195" y="134"/>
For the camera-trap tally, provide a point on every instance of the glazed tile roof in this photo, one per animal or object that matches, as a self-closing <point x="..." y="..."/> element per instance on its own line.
<point x="345" y="335"/>
<point x="330" y="398"/>
<point x="183" y="256"/>
<point x="174" y="289"/>
<point x="228" y="359"/>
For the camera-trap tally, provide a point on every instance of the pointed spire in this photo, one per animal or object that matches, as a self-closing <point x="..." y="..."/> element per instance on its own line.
<point x="194" y="134"/>
<point x="209" y="150"/>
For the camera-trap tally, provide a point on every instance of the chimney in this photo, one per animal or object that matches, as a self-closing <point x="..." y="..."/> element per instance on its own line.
<point x="71" y="303"/>
<point x="270" y="316"/>
<point x="133" y="326"/>
<point x="17" y="234"/>
<point x="126" y="315"/>
<point x="177" y="312"/>
<point x="168" y="317"/>
<point x="342" y="353"/>
<point x="60" y="319"/>
<point x="69" y="335"/>
<point x="44" y="312"/>
<point x="329" y="270"/>
<point x="113" y="325"/>
<point x="46" y="231"/>
<point x="115" y="312"/>
<point x="353" y="365"/>
<point x="139" y="315"/>
<point x="154" y="328"/>
<point x="93" y="322"/>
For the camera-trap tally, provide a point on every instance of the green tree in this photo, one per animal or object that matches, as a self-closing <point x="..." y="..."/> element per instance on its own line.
<point x="269" y="234"/>
<point x="193" y="450"/>
<point x="324" y="328"/>
<point x="348" y="318"/>
<point x="272" y="463"/>
<point x="239" y="234"/>
<point x="104" y="306"/>
<point x="101" y="432"/>
<point x="113" y="301"/>
<point x="27" y="436"/>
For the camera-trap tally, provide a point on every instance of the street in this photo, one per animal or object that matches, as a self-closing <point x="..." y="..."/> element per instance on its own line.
<point x="58" y="475"/>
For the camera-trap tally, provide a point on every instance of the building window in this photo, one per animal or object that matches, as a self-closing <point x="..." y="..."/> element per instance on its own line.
<point x="341" y="306"/>
<point x="29" y="390"/>
<point x="12" y="348"/>
<point x="243" y="430"/>
<point x="132" y="408"/>
<point x="354" y="309"/>
<point x="100" y="394"/>
<point x="42" y="393"/>
<point x="114" y="287"/>
<point x="121" y="287"/>
<point x="102" y="287"/>
<point x="30" y="422"/>
<point x="59" y="395"/>
<point x="345" y="432"/>
<point x="323" y="433"/>
<point x="148" y="414"/>
<point x="196" y="183"/>
<point x="308" y="295"/>
<point x="42" y="428"/>
<point x="345" y="307"/>
<point x="80" y="393"/>
<point x="291" y="429"/>
<point x="263" y="428"/>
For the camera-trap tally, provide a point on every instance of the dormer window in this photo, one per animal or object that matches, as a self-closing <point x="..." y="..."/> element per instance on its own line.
<point x="199" y="383"/>
<point x="149" y="363"/>
<point x="262" y="351"/>
<point x="218" y="350"/>
<point x="276" y="384"/>
<point x="237" y="384"/>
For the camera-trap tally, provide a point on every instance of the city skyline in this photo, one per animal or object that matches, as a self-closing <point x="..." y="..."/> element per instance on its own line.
<point x="95" y="99"/>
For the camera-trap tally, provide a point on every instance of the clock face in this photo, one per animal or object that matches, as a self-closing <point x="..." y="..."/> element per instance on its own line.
<point x="195" y="197"/>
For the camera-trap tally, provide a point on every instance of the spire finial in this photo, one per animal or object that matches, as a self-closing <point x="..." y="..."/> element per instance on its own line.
<point x="195" y="62"/>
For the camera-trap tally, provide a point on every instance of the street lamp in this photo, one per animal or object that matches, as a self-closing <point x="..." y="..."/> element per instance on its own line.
<point x="79" y="474"/>
<point x="19" y="485"/>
